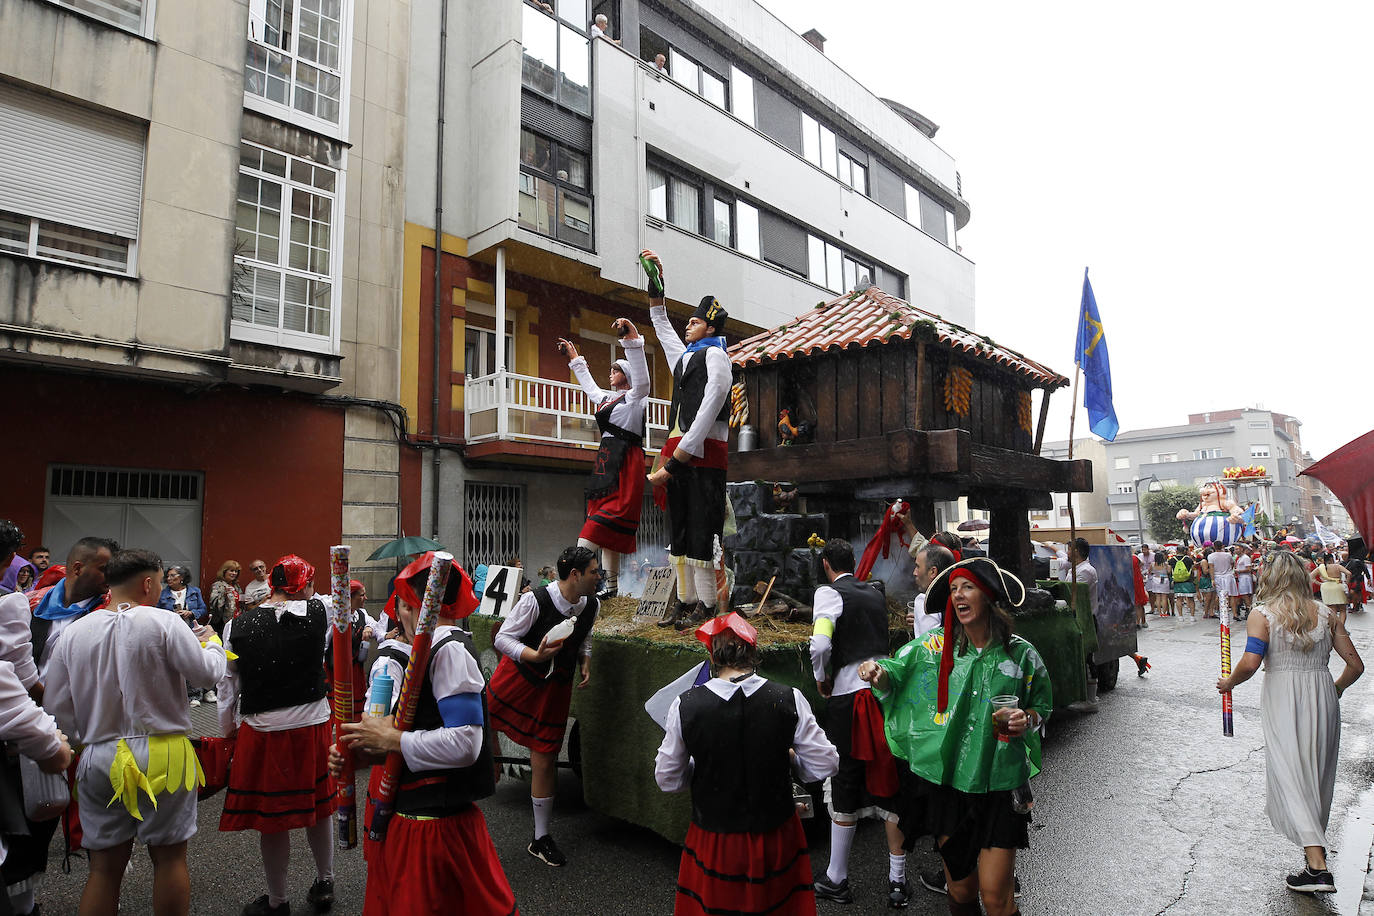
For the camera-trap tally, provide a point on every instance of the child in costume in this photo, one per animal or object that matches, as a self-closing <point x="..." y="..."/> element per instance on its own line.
<point x="437" y="856"/>
<point x="969" y="769"/>
<point x="730" y="741"/>
<point x="117" y="681"/>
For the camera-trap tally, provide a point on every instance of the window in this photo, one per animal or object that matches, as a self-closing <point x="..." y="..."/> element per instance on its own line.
<point x="683" y="69"/>
<point x="479" y="349"/>
<point x="742" y="95"/>
<point x="1164" y="458"/>
<point x="1125" y="487"/>
<point x="723" y="219"/>
<point x="1124" y="515"/>
<point x="927" y="214"/>
<point x="1169" y="482"/>
<point x="834" y="268"/>
<point x="1258" y="424"/>
<point x="71" y="182"/>
<point x="1259" y="451"/>
<point x="553" y="188"/>
<point x="126" y="14"/>
<point x="556" y="60"/>
<point x="818" y="144"/>
<point x="747" y="229"/>
<point x="1122" y="464"/>
<point x="1063" y="511"/>
<point x="284" y="289"/>
<point x="492" y="527"/>
<point x="853" y="174"/>
<point x="712" y="88"/>
<point x="1200" y="453"/>
<point x="674" y="198"/>
<point x="296" y="55"/>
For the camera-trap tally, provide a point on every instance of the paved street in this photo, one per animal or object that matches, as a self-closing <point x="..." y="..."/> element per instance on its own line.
<point x="1142" y="809"/>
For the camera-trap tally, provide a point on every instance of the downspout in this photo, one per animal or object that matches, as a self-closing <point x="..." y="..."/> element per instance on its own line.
<point x="438" y="263"/>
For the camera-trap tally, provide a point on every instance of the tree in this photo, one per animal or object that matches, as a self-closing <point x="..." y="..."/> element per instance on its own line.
<point x="1161" y="510"/>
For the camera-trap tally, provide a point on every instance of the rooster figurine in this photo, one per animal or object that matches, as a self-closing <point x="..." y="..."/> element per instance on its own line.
<point x="787" y="433"/>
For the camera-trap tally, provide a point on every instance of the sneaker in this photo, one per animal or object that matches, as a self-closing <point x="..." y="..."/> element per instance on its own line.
<point x="1308" y="881"/>
<point x="211" y="697"/>
<point x="545" y="850"/>
<point x="260" y="907"/>
<point x="839" y="893"/>
<point x="898" y="895"/>
<point x="934" y="881"/>
<point x="1143" y="664"/>
<point x="1083" y="706"/>
<point x="194" y="704"/>
<point x="321" y="895"/>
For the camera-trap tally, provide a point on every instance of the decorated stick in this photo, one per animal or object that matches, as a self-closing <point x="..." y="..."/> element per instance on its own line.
<point x="1227" y="727"/>
<point x="343" y="691"/>
<point x="411" y="685"/>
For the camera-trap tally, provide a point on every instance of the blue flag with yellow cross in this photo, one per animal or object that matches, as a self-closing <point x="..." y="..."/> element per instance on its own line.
<point x="1090" y="355"/>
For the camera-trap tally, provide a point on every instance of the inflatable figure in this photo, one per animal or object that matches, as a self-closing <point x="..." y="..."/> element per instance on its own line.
<point x="1217" y="518"/>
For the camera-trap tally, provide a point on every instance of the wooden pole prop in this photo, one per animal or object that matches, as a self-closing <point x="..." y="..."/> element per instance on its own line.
<point x="410" y="691"/>
<point x="343" y="692"/>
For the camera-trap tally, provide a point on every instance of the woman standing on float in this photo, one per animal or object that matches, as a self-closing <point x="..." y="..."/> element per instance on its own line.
<point x="615" y="493"/>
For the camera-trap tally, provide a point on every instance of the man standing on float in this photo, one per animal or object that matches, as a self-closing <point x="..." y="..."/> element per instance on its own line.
<point x="691" y="467"/>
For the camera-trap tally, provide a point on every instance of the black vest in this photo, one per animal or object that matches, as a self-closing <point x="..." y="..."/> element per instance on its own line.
<point x="689" y="387"/>
<point x="280" y="662"/>
<point x="742" y="779"/>
<point x="565" y="662"/>
<point x="861" y="631"/>
<point x="632" y="436"/>
<point x="440" y="793"/>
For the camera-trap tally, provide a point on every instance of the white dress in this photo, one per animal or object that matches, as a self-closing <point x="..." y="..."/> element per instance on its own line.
<point x="1301" y="718"/>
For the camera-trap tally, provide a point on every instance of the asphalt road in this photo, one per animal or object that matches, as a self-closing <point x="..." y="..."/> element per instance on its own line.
<point x="1143" y="808"/>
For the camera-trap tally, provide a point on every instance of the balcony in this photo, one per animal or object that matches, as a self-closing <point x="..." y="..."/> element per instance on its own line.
<point x="532" y="420"/>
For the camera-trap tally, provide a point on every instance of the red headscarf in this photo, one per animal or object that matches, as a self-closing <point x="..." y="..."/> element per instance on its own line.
<point x="731" y="621"/>
<point x="947" y="651"/>
<point x="457" y="602"/>
<point x="298" y="573"/>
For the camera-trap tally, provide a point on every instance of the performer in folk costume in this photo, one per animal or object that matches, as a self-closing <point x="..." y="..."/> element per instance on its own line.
<point x="971" y="765"/>
<point x="850" y="627"/>
<point x="117" y="681"/>
<point x="615" y="493"/>
<point x="279" y="780"/>
<point x="691" y="465"/>
<point x="437" y="857"/>
<point x="729" y="741"/>
<point x="531" y="689"/>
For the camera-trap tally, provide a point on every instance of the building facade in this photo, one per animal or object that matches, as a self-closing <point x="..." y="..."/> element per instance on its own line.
<point x="1088" y="508"/>
<point x="201" y="221"/>
<point x="541" y="159"/>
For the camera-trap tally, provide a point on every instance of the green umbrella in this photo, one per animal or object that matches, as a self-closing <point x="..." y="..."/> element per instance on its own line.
<point x="404" y="547"/>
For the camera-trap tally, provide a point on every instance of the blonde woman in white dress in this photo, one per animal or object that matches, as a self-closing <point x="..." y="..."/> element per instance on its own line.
<point x="1293" y="635"/>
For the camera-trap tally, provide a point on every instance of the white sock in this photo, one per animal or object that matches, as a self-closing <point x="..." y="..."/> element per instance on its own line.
<point x="320" y="835"/>
<point x="705" y="581"/>
<point x="841" y="838"/>
<point x="543" y="813"/>
<point x="686" y="582"/>
<point x="896" y="868"/>
<point x="276" y="856"/>
<point x="22" y="902"/>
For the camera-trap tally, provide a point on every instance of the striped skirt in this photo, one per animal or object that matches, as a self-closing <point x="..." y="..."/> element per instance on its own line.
<point x="745" y="873"/>
<point x="1216" y="527"/>
<point x="279" y="780"/>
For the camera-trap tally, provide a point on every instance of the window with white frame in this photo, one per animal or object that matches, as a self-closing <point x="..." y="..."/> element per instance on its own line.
<point x="287" y="230"/>
<point x="71" y="182"/>
<point x="1125" y="488"/>
<point x="1200" y="453"/>
<point x="742" y="95"/>
<point x="928" y="214"/>
<point x="834" y="268"/>
<point x="1164" y="457"/>
<point x="818" y="144"/>
<point x="297" y="55"/>
<point x="1122" y="464"/>
<point x="1259" y="451"/>
<point x="126" y="14"/>
<point x="1124" y="515"/>
<point x="854" y="174"/>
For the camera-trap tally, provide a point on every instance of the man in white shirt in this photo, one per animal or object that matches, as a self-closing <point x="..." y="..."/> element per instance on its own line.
<point x="931" y="560"/>
<point x="600" y="29"/>
<point x="258" y="590"/>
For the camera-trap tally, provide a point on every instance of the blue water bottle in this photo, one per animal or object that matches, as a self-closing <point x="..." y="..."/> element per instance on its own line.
<point x="379" y="698"/>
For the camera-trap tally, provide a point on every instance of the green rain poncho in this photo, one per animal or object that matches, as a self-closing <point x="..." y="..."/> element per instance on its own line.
<point x="959" y="748"/>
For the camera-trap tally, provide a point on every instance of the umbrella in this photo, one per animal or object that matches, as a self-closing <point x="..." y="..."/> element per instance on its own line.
<point x="404" y="547"/>
<point x="1346" y="473"/>
<point x="974" y="524"/>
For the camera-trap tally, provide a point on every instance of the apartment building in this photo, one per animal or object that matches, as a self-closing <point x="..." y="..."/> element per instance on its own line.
<point x="200" y="239"/>
<point x="541" y="158"/>
<point x="1088" y="508"/>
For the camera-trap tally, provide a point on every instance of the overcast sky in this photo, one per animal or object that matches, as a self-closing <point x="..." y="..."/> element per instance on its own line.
<point x="1210" y="162"/>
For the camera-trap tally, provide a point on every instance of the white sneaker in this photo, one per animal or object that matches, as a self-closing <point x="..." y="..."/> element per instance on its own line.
<point x="195" y="703"/>
<point x="211" y="697"/>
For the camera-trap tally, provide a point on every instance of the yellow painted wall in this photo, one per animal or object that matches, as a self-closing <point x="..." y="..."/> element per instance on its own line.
<point x="418" y="238"/>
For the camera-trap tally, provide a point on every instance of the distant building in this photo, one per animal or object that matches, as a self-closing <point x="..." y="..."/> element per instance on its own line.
<point x="1088" y="508"/>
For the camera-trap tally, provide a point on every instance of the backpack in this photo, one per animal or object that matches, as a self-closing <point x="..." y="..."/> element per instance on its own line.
<point x="1181" y="572"/>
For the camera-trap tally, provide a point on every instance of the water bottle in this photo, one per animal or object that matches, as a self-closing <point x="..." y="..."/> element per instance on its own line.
<point x="379" y="699"/>
<point x="1022" y="801"/>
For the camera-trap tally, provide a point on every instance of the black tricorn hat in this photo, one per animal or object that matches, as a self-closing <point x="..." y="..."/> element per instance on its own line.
<point x="713" y="313"/>
<point x="1002" y="585"/>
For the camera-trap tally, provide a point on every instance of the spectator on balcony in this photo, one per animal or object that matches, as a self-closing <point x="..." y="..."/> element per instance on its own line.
<point x="661" y="63"/>
<point x="601" y="29"/>
<point x="615" y="492"/>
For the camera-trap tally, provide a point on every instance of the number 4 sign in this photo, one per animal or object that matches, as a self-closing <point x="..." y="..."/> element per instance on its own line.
<point x="502" y="590"/>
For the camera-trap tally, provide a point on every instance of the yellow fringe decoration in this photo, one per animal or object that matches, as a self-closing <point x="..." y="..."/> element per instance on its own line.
<point x="172" y="765"/>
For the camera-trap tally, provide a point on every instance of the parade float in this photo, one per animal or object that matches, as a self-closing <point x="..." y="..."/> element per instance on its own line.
<point x="874" y="401"/>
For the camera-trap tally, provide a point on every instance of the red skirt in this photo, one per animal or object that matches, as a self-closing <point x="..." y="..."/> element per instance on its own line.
<point x="439" y="866"/>
<point x="532" y="715"/>
<point x="745" y="873"/>
<point x="279" y="780"/>
<point x="613" y="520"/>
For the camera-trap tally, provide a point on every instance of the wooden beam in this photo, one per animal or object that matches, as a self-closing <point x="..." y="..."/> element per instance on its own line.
<point x="1001" y="469"/>
<point x="1044" y="414"/>
<point x="920" y="420"/>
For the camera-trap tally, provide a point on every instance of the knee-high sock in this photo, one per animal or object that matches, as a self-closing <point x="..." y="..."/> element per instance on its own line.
<point x="543" y="813"/>
<point x="276" y="856"/>
<point x="841" y="838"/>
<point x="896" y="868"/>
<point x="704" y="578"/>
<point x="686" y="581"/>
<point x="321" y="838"/>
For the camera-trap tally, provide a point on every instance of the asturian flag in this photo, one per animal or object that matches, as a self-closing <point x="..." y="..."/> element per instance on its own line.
<point x="1090" y="354"/>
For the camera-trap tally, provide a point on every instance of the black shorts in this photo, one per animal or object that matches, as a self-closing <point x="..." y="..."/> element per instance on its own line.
<point x="696" y="513"/>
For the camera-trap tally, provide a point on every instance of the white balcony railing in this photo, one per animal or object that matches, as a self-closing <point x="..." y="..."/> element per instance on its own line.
<point x="506" y="406"/>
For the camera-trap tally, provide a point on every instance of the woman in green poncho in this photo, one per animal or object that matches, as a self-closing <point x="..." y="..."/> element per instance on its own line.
<point x="936" y="695"/>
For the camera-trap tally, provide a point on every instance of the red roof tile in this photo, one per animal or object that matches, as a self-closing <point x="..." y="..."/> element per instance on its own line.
<point x="874" y="317"/>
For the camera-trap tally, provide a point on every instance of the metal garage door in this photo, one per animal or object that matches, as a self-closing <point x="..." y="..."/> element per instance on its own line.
<point x="159" y="510"/>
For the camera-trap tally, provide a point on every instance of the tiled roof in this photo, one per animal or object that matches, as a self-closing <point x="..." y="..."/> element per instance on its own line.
<point x="874" y="317"/>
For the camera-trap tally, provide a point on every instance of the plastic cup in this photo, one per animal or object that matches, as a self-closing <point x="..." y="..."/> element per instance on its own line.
<point x="1002" y="705"/>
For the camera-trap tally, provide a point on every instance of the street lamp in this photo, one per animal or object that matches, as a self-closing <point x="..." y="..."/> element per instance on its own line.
<point x="1135" y="488"/>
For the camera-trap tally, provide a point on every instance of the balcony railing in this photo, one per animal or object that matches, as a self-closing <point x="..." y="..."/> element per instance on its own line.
<point x="509" y="407"/>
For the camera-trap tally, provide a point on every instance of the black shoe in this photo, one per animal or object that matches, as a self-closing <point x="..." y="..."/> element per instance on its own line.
<point x="839" y="893"/>
<point x="693" y="615"/>
<point x="321" y="895"/>
<point x="545" y="850"/>
<point x="934" y="881"/>
<point x="898" y="895"/>
<point x="1308" y="881"/>
<point x="680" y="610"/>
<point x="260" y="907"/>
<point x="1143" y="664"/>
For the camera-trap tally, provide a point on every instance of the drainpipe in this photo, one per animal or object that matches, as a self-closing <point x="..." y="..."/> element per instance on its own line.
<point x="438" y="261"/>
<point x="502" y="420"/>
